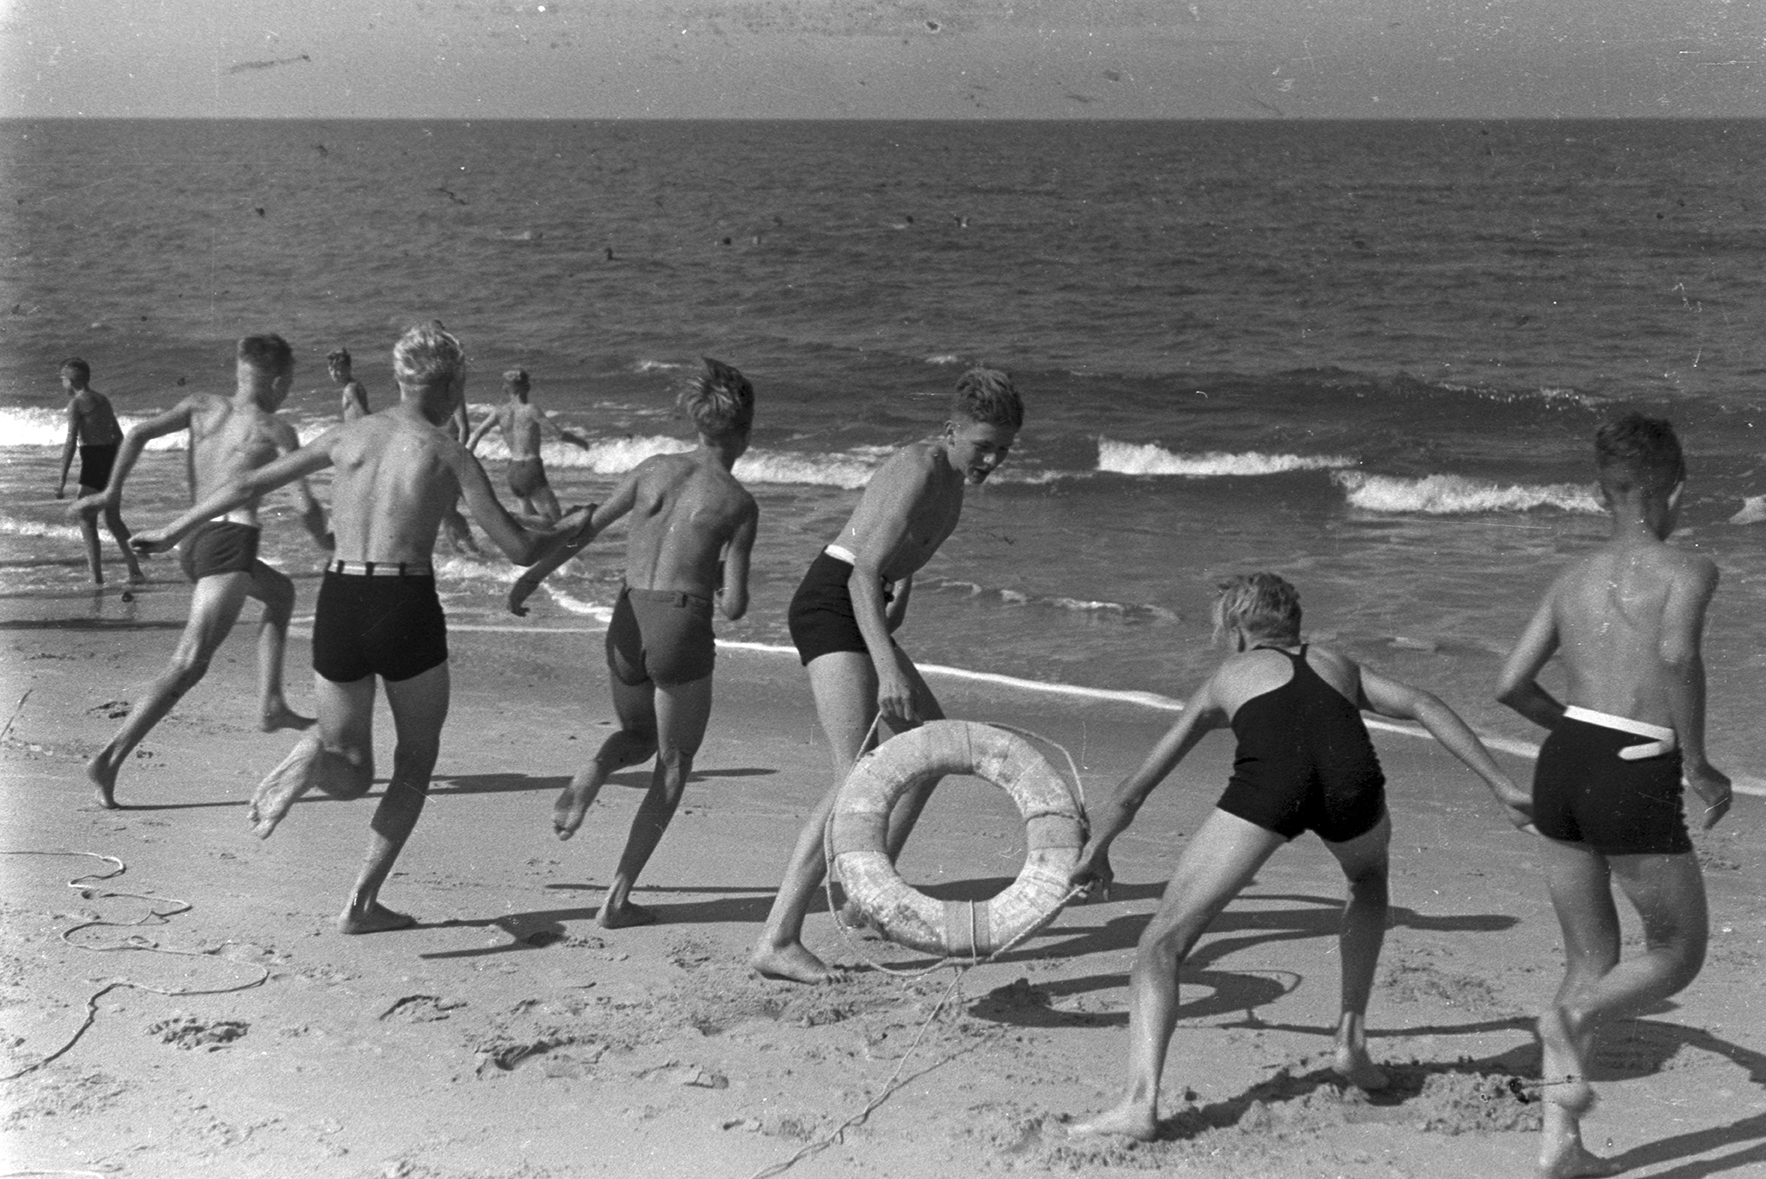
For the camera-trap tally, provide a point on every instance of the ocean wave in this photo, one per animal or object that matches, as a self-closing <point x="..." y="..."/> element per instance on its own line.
<point x="616" y="456"/>
<point x="1138" y="612"/>
<point x="652" y="366"/>
<point x="1131" y="458"/>
<point x="33" y="528"/>
<point x="1451" y="495"/>
<point x="35" y="427"/>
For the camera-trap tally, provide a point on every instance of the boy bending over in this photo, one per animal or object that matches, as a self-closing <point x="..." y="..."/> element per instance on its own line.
<point x="1304" y="762"/>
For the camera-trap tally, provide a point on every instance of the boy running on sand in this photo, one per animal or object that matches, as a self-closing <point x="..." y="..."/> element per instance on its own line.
<point x="522" y="424"/>
<point x="378" y="614"/>
<point x="92" y="428"/>
<point x="851" y="601"/>
<point x="1304" y="762"/>
<point x="227" y="437"/>
<point x="1627" y="620"/>
<point x="354" y="396"/>
<point x="692" y="531"/>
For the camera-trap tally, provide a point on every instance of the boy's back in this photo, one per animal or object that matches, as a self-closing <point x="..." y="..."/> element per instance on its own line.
<point x="1621" y="616"/>
<point x="394" y="482"/>
<point x="96" y="420"/>
<point x="684" y="511"/>
<point x="228" y="438"/>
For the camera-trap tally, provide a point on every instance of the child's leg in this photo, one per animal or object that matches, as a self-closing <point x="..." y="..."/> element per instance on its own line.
<point x="1221" y="858"/>
<point x="113" y="520"/>
<point x="94" y="553"/>
<point x="632" y="744"/>
<point x="1365" y="866"/>
<point x="214" y="607"/>
<point x="274" y="589"/>
<point x="682" y="712"/>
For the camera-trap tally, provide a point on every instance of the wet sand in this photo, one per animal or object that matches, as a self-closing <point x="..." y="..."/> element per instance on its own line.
<point x="509" y="1035"/>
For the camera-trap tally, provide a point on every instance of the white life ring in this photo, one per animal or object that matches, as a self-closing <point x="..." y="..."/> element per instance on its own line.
<point x="1054" y="832"/>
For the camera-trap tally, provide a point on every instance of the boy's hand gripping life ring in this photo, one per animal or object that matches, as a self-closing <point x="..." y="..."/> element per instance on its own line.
<point x="1054" y="833"/>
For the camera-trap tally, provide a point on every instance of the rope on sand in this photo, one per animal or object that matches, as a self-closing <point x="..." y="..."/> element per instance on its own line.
<point x="958" y="968"/>
<point x="87" y="886"/>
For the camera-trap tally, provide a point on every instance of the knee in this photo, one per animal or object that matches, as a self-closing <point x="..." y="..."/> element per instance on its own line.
<point x="351" y="769"/>
<point x="1369" y="886"/>
<point x="188" y="668"/>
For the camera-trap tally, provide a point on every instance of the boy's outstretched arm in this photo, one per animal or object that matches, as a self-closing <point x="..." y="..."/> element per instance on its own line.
<point x="240" y="490"/>
<point x="1394" y="698"/>
<point x="1200" y="715"/>
<point x="601" y="517"/>
<point x="1683" y="664"/>
<point x="67" y="448"/>
<point x="1518" y="686"/>
<point x="522" y="545"/>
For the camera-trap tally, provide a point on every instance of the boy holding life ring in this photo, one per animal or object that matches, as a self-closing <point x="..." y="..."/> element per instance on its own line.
<point x="850" y="603"/>
<point x="1304" y="761"/>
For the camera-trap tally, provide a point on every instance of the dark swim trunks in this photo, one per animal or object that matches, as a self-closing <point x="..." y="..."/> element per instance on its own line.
<point x="1585" y="792"/>
<point x="821" y="617"/>
<point x="526" y="476"/>
<point x="392" y="627"/>
<point x="218" y="547"/>
<point x="1305" y="761"/>
<point x="661" y="637"/>
<point x="95" y="464"/>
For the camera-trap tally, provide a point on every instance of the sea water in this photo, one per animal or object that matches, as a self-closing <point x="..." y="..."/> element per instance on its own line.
<point x="1370" y="356"/>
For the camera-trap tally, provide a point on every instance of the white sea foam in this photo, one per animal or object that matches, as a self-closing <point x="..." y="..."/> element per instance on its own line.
<point x="1451" y="495"/>
<point x="31" y="528"/>
<point x="26" y="427"/>
<point x="1132" y="458"/>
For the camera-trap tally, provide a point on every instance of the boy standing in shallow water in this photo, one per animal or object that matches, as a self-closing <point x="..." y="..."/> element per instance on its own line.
<point x="523" y="423"/>
<point x="225" y="438"/>
<point x="353" y="395"/>
<point x="1627" y="621"/>
<point x="378" y="615"/>
<point x="1304" y="762"/>
<point x="92" y="428"/>
<point x="691" y="535"/>
<point x="848" y="606"/>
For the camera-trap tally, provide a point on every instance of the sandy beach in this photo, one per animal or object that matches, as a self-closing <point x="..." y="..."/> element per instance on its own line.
<point x="508" y="1035"/>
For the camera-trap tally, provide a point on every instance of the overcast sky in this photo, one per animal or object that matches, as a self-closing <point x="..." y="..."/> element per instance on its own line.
<point x="883" y="58"/>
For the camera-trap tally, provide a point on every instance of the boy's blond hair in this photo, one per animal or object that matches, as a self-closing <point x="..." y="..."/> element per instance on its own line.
<point x="719" y="402"/>
<point x="1260" y="604"/>
<point x="427" y="355"/>
<point x="987" y="396"/>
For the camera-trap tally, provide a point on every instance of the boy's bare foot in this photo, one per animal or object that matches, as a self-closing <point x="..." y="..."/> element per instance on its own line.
<point x="104" y="782"/>
<point x="284" y="717"/>
<point x="792" y="963"/>
<point x="376" y="918"/>
<point x="287" y="782"/>
<point x="1130" y="1119"/>
<point x="573" y="803"/>
<point x="1354" y="1066"/>
<point x="1574" y="1162"/>
<point x="623" y="915"/>
<point x="1561" y="1072"/>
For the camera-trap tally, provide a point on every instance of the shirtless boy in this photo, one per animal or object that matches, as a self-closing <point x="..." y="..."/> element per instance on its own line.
<point x="691" y="534"/>
<point x="523" y="423"/>
<point x="226" y="438"/>
<point x="92" y="428"/>
<point x="1304" y="762"/>
<point x="378" y="614"/>
<point x="851" y="601"/>
<point x="354" y="395"/>
<point x="1626" y="621"/>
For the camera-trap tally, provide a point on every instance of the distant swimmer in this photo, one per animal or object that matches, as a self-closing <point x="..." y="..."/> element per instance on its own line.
<point x="1627" y="622"/>
<point x="845" y="613"/>
<point x="523" y="424"/>
<point x="378" y="616"/>
<point x="92" y="429"/>
<point x="226" y="438"/>
<point x="1304" y="763"/>
<point x="691" y="535"/>
<point x="354" y="395"/>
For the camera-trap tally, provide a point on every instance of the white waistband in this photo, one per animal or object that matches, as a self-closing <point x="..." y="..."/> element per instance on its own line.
<point x="1623" y="724"/>
<point x="842" y="553"/>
